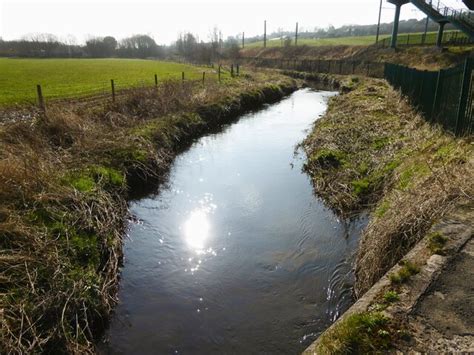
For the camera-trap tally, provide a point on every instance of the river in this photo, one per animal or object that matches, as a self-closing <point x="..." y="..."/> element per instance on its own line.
<point x="236" y="254"/>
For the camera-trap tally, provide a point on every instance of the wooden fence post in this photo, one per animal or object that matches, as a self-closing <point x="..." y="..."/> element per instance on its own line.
<point x="156" y="80"/>
<point x="40" y="98"/>
<point x="112" y="84"/>
<point x="232" y="70"/>
<point x="203" y="77"/>
<point x="182" y="76"/>
<point x="219" y="73"/>
<point x="238" y="70"/>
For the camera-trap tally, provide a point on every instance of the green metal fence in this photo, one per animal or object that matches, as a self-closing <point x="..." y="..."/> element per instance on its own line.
<point x="451" y="38"/>
<point x="445" y="97"/>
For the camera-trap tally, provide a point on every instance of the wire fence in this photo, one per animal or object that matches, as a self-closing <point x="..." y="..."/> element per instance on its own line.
<point x="452" y="38"/>
<point x="445" y="97"/>
<point x="342" y="67"/>
<point x="114" y="88"/>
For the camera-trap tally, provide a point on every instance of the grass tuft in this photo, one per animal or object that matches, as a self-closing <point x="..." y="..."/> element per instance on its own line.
<point x="436" y="243"/>
<point x="359" y="333"/>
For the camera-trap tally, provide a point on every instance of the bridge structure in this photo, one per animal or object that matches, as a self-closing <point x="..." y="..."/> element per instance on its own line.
<point x="463" y="19"/>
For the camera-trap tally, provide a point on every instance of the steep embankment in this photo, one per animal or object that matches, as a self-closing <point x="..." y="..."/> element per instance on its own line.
<point x="64" y="180"/>
<point x="372" y="151"/>
<point x="428" y="58"/>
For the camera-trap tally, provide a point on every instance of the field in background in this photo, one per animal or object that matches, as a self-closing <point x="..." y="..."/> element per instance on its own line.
<point x="62" y="78"/>
<point x="350" y="41"/>
<point x="403" y="38"/>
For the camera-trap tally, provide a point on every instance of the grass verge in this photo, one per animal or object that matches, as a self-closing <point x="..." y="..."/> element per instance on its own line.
<point x="64" y="180"/>
<point x="372" y="151"/>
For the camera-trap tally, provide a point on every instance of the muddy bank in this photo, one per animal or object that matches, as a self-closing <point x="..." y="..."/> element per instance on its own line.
<point x="373" y="152"/>
<point x="65" y="179"/>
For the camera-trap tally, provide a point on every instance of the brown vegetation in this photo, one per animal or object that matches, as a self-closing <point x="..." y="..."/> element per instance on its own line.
<point x="373" y="151"/>
<point x="64" y="179"/>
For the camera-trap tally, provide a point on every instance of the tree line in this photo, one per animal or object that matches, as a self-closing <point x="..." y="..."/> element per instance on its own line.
<point x="49" y="46"/>
<point x="187" y="47"/>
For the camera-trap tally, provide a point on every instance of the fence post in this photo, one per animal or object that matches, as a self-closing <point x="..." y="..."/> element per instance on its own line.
<point x="203" y="77"/>
<point x="182" y="76"/>
<point x="219" y="73"/>
<point x="156" y="80"/>
<point x="40" y="97"/>
<point x="232" y="70"/>
<point x="439" y="83"/>
<point x="466" y="81"/>
<point x="238" y="70"/>
<point x="112" y="84"/>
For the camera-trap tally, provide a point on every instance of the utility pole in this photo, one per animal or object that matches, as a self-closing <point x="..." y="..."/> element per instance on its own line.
<point x="265" y="34"/>
<point x="378" y="24"/>
<point x="296" y="35"/>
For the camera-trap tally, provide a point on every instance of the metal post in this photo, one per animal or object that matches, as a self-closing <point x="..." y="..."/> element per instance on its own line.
<point x="378" y="24"/>
<point x="426" y="30"/>
<point x="439" y="39"/>
<point x="439" y="82"/>
<point x="265" y="34"/>
<point x="466" y="81"/>
<point x="395" y="26"/>
<point x="296" y="35"/>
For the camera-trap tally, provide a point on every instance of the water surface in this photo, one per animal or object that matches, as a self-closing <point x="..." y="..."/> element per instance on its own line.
<point x="236" y="254"/>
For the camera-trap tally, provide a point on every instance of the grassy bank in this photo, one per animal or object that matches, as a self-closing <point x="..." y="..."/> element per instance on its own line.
<point x="62" y="78"/>
<point x="372" y="151"/>
<point x="426" y="58"/>
<point x="64" y="180"/>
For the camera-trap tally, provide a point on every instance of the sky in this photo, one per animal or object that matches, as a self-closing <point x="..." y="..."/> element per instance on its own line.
<point x="78" y="20"/>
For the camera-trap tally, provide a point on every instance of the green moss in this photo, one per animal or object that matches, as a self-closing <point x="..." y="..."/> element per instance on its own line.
<point x="85" y="249"/>
<point x="391" y="297"/>
<point x="361" y="187"/>
<point x="359" y="333"/>
<point x="327" y="158"/>
<point x="436" y="243"/>
<point x="82" y="183"/>
<point x="405" y="273"/>
<point x="129" y="154"/>
<point x="87" y="179"/>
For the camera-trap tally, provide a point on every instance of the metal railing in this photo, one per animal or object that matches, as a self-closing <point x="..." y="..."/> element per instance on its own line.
<point x="445" y="97"/>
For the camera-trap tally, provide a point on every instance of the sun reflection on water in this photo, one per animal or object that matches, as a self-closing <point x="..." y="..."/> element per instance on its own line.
<point x="196" y="229"/>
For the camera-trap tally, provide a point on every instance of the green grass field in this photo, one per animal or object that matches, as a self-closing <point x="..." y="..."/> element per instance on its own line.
<point x="351" y="41"/>
<point x="62" y="78"/>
